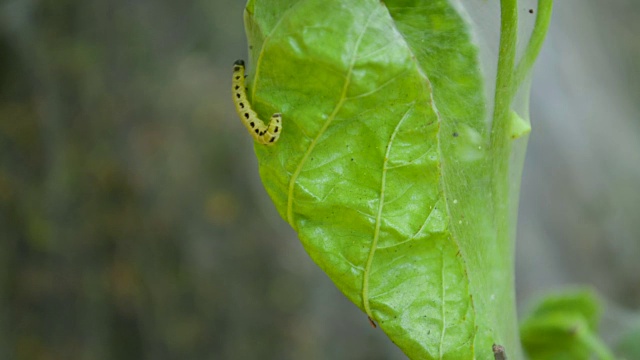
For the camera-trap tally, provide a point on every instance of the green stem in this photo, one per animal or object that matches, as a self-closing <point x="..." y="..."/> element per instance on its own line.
<point x="508" y="78"/>
<point x="506" y="64"/>
<point x="500" y="150"/>
<point x="540" y="28"/>
<point x="500" y="140"/>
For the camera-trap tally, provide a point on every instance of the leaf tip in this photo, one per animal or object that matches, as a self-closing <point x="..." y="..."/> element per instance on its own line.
<point x="373" y="323"/>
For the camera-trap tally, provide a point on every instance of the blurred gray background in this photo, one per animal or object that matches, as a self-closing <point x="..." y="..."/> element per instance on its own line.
<point x="133" y="224"/>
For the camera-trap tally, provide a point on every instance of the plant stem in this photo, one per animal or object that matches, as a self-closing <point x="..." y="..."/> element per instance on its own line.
<point x="508" y="79"/>
<point x="500" y="126"/>
<point x="506" y="64"/>
<point x="500" y="151"/>
<point x="543" y="18"/>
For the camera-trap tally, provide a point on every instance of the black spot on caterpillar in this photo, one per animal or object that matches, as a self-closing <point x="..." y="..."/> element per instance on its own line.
<point x="266" y="134"/>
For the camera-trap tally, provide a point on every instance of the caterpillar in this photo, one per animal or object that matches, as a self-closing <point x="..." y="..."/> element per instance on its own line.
<point x="264" y="134"/>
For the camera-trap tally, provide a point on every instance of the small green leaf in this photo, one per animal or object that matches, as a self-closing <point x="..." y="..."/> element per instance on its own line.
<point x="564" y="326"/>
<point x="519" y="126"/>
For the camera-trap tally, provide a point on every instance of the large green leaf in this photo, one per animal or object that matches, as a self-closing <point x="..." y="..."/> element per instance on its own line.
<point x="382" y="167"/>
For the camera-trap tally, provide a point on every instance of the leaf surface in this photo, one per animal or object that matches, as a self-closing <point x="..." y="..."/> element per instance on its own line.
<point x="381" y="167"/>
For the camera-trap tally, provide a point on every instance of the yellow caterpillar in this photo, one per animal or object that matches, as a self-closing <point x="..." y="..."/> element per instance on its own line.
<point x="263" y="134"/>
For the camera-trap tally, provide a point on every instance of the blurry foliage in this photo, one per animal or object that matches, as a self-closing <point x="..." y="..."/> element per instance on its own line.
<point x="564" y="326"/>
<point x="111" y="162"/>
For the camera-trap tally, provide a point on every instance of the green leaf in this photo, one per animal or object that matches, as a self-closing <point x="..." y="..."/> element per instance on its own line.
<point x="564" y="326"/>
<point x="383" y="167"/>
<point x="519" y="126"/>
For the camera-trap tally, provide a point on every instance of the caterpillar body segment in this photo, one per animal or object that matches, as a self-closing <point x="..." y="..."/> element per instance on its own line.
<point x="267" y="134"/>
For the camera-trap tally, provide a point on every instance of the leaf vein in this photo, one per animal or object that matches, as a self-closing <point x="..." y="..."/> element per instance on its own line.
<point x="376" y="233"/>
<point x="326" y="124"/>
